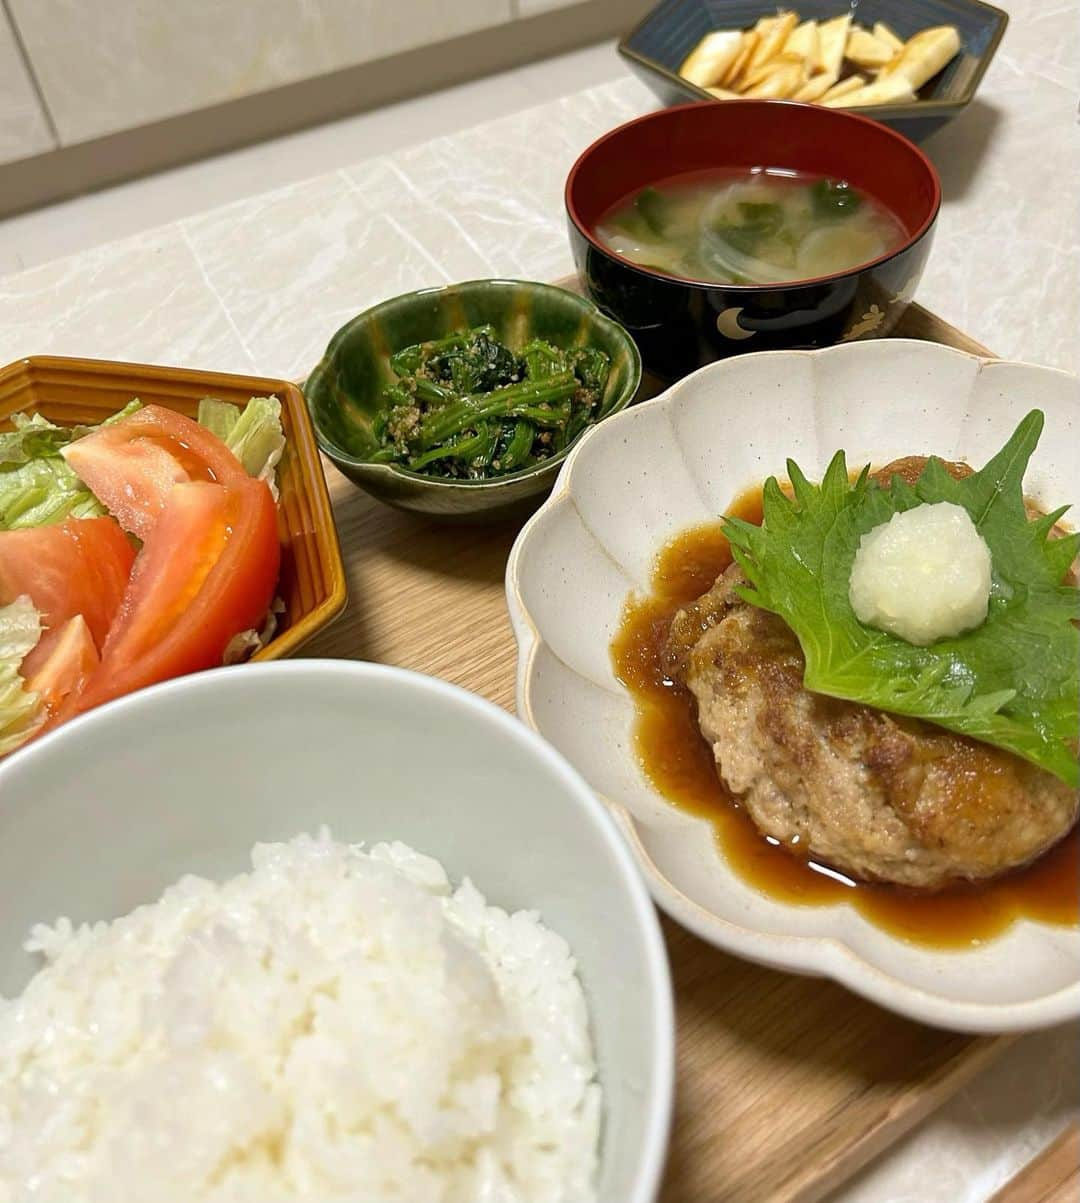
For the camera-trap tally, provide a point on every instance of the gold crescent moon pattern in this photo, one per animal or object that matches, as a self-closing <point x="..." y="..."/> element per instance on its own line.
<point x="727" y="322"/>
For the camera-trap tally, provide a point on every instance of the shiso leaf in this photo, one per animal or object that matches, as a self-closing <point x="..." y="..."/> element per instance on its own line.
<point x="1013" y="682"/>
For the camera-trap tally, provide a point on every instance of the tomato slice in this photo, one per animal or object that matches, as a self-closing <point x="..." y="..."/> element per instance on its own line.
<point x="131" y="465"/>
<point x="72" y="658"/>
<point x="206" y="572"/>
<point x="80" y="566"/>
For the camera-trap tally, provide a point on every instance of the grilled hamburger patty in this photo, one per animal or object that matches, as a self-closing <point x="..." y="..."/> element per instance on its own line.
<point x="878" y="796"/>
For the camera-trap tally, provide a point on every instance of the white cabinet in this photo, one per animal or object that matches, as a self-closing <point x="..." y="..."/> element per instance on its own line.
<point x="24" y="129"/>
<point x="109" y="65"/>
<point x="529" y="8"/>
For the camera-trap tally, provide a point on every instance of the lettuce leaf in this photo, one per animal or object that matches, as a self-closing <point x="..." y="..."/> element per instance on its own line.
<point x="21" y="713"/>
<point x="1013" y="682"/>
<point x="37" y="488"/>
<point x="253" y="435"/>
<point x="32" y="436"/>
<point x="244" y="645"/>
<point x="132" y="406"/>
<point x="219" y="417"/>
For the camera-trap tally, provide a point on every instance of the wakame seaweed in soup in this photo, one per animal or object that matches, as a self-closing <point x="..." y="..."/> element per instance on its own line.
<point x="750" y="227"/>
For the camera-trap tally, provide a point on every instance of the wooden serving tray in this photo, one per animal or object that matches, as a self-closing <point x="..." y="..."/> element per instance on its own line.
<point x="786" y="1085"/>
<point x="1053" y="1177"/>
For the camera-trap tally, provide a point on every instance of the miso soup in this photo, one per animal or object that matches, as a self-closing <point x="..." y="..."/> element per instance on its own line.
<point x="750" y="227"/>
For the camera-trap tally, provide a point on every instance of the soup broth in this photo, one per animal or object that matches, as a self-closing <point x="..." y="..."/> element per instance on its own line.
<point x="750" y="227"/>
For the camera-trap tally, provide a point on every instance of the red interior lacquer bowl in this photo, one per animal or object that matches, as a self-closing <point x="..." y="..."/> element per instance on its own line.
<point x="680" y="324"/>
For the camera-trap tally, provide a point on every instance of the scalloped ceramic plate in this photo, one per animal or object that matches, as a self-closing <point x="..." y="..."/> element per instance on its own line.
<point x="680" y="459"/>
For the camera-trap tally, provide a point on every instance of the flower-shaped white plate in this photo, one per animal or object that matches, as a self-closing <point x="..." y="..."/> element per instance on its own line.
<point x="648" y="473"/>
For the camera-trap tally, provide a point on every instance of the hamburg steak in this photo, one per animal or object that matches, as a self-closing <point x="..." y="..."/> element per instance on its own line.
<point x="878" y="796"/>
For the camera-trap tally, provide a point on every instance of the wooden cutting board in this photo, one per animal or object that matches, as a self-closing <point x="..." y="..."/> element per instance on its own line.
<point x="786" y="1085"/>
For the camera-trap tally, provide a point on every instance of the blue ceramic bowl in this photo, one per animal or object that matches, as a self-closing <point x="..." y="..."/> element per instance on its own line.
<point x="659" y="45"/>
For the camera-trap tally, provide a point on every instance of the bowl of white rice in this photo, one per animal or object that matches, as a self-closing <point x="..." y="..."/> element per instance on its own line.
<point x="322" y="930"/>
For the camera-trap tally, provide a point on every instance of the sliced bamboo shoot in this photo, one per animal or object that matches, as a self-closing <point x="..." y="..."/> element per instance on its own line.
<point x="864" y="50"/>
<point x="710" y="59"/>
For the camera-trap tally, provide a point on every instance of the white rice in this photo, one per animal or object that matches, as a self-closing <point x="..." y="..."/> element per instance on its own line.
<point x="335" y="1025"/>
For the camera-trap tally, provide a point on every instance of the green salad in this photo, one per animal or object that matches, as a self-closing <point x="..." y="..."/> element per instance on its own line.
<point x="83" y="572"/>
<point x="1012" y="681"/>
<point x="468" y="407"/>
<point x="39" y="488"/>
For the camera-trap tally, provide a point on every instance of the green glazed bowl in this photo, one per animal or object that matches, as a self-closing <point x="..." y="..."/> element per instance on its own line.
<point x="344" y="392"/>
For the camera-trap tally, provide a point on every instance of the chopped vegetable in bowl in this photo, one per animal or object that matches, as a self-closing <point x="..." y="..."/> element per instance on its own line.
<point x="131" y="552"/>
<point x="372" y="359"/>
<point x="467" y="407"/>
<point x="36" y="485"/>
<point x="20" y="714"/>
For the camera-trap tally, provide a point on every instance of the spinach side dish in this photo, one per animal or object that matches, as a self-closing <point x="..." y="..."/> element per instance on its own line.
<point x="467" y="407"/>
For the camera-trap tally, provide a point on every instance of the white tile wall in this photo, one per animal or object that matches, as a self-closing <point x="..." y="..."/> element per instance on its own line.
<point x="360" y="30"/>
<point x="23" y="128"/>
<point x="529" y="8"/>
<point x="108" y="65"/>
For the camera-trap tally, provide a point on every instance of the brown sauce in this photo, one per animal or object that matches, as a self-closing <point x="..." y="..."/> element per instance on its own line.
<point x="679" y="763"/>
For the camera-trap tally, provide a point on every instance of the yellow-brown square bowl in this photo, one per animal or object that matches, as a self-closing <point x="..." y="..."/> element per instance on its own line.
<point x="312" y="582"/>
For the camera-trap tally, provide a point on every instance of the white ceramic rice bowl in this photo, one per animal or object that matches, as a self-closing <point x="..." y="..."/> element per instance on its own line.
<point x="680" y="459"/>
<point x="106" y="812"/>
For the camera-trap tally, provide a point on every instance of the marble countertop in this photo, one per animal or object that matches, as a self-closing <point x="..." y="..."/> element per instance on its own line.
<point x="259" y="286"/>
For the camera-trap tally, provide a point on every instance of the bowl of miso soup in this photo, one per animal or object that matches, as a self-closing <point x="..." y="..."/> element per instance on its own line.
<point x="708" y="230"/>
